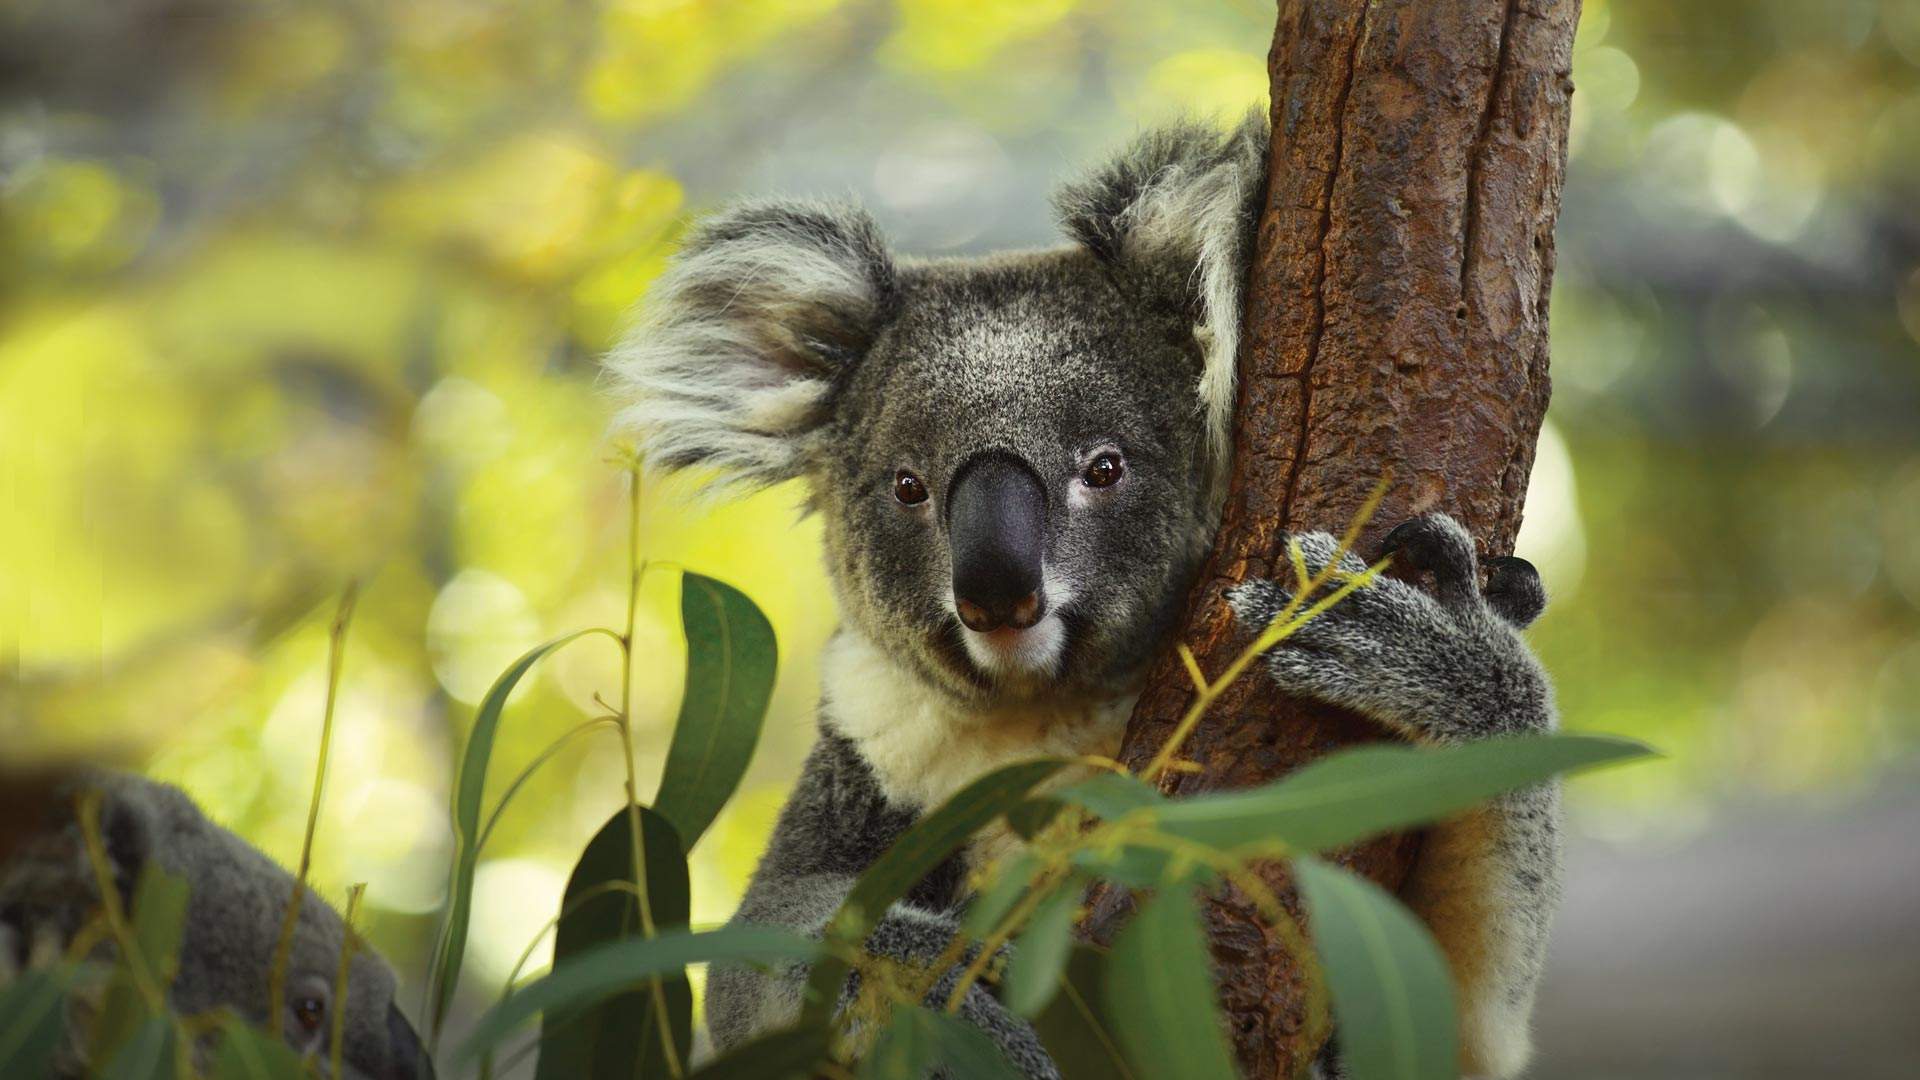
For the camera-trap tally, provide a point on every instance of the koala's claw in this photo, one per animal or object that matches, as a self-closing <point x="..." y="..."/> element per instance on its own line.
<point x="1438" y="545"/>
<point x="1514" y="591"/>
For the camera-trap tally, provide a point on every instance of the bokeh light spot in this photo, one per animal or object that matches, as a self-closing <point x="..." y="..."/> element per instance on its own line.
<point x="480" y="623"/>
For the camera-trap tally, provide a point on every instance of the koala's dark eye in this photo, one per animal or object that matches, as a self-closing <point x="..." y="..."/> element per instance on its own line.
<point x="909" y="489"/>
<point x="309" y="1012"/>
<point x="1103" y="471"/>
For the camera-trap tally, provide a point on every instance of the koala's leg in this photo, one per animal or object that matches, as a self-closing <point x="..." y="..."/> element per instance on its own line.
<point x="1447" y="668"/>
<point x="743" y="1002"/>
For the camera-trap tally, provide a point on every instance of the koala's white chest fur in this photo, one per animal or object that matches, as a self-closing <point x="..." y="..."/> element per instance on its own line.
<point x="923" y="747"/>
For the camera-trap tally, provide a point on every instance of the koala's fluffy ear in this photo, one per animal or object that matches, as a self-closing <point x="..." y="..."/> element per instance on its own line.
<point x="1189" y="194"/>
<point x="744" y="335"/>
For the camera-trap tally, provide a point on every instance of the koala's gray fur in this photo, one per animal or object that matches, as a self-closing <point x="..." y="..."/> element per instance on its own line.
<point x="786" y="342"/>
<point x="237" y="902"/>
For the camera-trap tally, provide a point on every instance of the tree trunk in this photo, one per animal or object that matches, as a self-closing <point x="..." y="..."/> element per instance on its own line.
<point x="1396" y="326"/>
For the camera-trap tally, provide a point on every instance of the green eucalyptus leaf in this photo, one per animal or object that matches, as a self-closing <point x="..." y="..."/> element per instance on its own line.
<point x="904" y="1050"/>
<point x="158" y="921"/>
<point x="1138" y="866"/>
<point x="148" y="1054"/>
<point x="918" y="852"/>
<point x="469" y="787"/>
<point x="123" y="1009"/>
<point x="1392" y="994"/>
<point x="1040" y="952"/>
<point x="617" y="966"/>
<point x="783" y="1055"/>
<point x="619" y="1036"/>
<point x="248" y="1053"/>
<point x="731" y="661"/>
<point x="1112" y="795"/>
<point x="917" y="1040"/>
<point x="1159" y="989"/>
<point x="1354" y="794"/>
<point x="1011" y="879"/>
<point x="1107" y="795"/>
<point x="1028" y="818"/>
<point x="33" y="1021"/>
<point x="1076" y="1027"/>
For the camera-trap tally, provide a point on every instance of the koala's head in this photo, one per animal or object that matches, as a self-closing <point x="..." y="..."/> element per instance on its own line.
<point x="1017" y="457"/>
<point x="236" y="904"/>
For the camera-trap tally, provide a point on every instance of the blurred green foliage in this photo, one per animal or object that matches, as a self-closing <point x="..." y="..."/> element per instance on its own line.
<point x="293" y="293"/>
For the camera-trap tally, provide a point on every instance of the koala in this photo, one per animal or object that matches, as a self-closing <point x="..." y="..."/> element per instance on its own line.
<point x="236" y="905"/>
<point x="1018" y="461"/>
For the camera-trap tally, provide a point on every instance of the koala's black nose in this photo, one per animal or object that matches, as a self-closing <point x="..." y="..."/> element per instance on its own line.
<point x="996" y="524"/>
<point x="407" y="1059"/>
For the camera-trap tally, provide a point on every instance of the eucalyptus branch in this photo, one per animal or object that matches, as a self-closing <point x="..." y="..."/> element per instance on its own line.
<point x="349" y="944"/>
<point x="283" y="948"/>
<point x="1010" y="924"/>
<point x="1286" y="622"/>
<point x="144" y="980"/>
<point x="636" y="571"/>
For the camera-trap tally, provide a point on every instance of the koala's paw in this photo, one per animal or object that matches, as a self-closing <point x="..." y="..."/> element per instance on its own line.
<point x="1514" y="591"/>
<point x="1438" y="545"/>
<point x="1443" y="665"/>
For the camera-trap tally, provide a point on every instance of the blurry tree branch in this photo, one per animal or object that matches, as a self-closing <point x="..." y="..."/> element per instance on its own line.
<point x="1396" y="325"/>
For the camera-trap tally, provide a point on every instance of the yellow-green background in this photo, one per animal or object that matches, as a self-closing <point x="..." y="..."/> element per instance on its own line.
<point x="293" y="294"/>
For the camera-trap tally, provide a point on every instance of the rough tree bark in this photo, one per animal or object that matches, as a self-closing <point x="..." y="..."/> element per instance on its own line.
<point x="1396" y="325"/>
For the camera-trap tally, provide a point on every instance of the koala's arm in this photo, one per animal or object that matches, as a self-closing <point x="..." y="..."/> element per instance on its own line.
<point x="834" y="825"/>
<point x="1447" y="668"/>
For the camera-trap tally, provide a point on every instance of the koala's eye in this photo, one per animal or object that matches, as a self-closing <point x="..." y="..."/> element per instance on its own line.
<point x="909" y="489"/>
<point x="309" y="1012"/>
<point x="1103" y="471"/>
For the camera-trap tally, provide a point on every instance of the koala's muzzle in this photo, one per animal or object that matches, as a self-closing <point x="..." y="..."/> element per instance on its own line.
<point x="996" y="526"/>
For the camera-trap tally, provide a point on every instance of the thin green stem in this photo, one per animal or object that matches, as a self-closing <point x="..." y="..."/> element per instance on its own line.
<point x="1282" y="625"/>
<point x="565" y="739"/>
<point x="144" y="980"/>
<point x="89" y="936"/>
<point x="467" y="848"/>
<point x="349" y="944"/>
<point x="1054" y="850"/>
<point x="1009" y="924"/>
<point x="283" y="948"/>
<point x="636" y="570"/>
<point x="1099" y="1030"/>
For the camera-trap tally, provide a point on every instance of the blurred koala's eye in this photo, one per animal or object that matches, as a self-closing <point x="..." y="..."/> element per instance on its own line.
<point x="1103" y="471"/>
<point x="309" y="1012"/>
<point x="909" y="489"/>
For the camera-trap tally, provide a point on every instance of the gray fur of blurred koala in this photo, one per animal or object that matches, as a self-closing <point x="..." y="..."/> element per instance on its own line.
<point x="237" y="901"/>
<point x="1095" y="381"/>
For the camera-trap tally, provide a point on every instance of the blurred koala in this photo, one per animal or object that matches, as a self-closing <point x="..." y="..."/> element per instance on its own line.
<point x="1018" y="460"/>
<point x="236" y="905"/>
